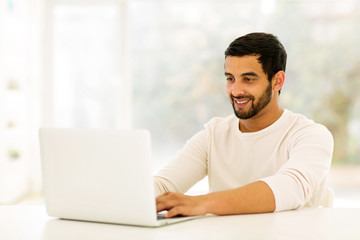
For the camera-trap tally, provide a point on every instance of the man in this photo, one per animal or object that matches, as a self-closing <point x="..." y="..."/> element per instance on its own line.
<point x="262" y="159"/>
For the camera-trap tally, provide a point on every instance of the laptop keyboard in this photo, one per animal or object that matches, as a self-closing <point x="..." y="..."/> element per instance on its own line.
<point x="160" y="216"/>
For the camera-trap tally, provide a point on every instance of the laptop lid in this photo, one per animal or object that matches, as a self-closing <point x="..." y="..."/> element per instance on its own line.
<point x="98" y="175"/>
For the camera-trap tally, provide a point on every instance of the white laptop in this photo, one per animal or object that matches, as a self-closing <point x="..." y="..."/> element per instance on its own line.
<point x="99" y="175"/>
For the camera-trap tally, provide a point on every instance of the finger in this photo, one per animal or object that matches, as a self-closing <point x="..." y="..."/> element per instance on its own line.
<point x="165" y="196"/>
<point x="161" y="207"/>
<point x="179" y="210"/>
<point x="166" y="202"/>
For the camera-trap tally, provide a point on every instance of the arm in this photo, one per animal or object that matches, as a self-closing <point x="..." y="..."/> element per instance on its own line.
<point x="301" y="180"/>
<point x="187" y="168"/>
<point x="256" y="197"/>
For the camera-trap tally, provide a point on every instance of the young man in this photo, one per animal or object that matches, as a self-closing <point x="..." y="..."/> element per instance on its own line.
<point x="261" y="159"/>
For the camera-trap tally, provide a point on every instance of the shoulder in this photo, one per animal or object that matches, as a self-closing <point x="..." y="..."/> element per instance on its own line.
<point x="303" y="127"/>
<point x="223" y="123"/>
<point x="301" y="122"/>
<point x="220" y="128"/>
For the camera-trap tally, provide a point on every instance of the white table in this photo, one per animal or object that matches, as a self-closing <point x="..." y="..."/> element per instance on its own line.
<point x="31" y="222"/>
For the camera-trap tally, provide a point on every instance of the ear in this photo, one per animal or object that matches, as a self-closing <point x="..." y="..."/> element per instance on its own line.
<point x="279" y="80"/>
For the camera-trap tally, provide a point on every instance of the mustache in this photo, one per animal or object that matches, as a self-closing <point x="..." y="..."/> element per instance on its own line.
<point x="242" y="96"/>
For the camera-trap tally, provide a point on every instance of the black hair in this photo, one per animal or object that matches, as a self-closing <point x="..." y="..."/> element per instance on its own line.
<point x="272" y="54"/>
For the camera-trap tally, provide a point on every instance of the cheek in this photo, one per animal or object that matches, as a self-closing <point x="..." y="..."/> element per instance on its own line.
<point x="228" y="89"/>
<point x="228" y="92"/>
<point x="262" y="93"/>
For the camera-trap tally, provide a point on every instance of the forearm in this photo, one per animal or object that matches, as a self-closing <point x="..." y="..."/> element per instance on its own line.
<point x="256" y="197"/>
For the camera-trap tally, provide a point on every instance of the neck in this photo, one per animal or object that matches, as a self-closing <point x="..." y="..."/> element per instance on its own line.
<point x="263" y="119"/>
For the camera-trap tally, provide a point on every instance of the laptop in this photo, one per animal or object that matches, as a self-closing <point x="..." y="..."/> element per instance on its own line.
<point x="100" y="175"/>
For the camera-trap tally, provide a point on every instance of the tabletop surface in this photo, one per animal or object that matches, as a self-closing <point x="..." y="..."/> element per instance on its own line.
<point x="32" y="222"/>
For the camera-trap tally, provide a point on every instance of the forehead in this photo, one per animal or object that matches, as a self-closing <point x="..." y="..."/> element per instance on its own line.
<point x="238" y="65"/>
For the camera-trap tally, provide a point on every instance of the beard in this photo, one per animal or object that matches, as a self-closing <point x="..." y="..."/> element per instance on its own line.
<point x="255" y="108"/>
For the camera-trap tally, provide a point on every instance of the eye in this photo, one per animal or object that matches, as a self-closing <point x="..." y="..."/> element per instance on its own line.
<point x="229" y="79"/>
<point x="247" y="79"/>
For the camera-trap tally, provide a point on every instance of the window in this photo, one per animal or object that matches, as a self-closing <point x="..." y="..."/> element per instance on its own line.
<point x="159" y="65"/>
<point x="87" y="81"/>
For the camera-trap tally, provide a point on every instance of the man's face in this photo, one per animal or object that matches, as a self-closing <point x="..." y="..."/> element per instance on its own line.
<point x="248" y="87"/>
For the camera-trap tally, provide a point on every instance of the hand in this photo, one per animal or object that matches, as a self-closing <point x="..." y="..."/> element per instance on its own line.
<point x="180" y="204"/>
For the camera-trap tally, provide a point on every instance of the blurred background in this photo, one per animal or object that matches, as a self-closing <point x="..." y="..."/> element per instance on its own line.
<point x="158" y="64"/>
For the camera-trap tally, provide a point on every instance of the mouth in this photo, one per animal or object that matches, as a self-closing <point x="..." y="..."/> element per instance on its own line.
<point x="241" y="103"/>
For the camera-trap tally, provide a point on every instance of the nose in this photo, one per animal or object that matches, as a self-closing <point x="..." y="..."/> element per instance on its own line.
<point x="237" y="88"/>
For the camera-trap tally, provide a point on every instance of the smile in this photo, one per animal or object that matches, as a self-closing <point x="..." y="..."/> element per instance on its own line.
<point x="242" y="101"/>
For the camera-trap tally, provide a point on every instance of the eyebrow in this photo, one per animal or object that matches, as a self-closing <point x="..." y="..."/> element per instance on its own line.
<point x="254" y="74"/>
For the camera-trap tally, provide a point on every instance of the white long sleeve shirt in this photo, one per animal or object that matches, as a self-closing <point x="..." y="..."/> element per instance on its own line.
<point x="292" y="156"/>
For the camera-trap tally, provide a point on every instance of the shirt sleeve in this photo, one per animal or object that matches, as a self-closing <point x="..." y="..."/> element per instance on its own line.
<point x="302" y="175"/>
<point x="186" y="169"/>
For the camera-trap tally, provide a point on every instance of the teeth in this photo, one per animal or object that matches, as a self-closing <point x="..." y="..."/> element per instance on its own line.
<point x="241" y="102"/>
